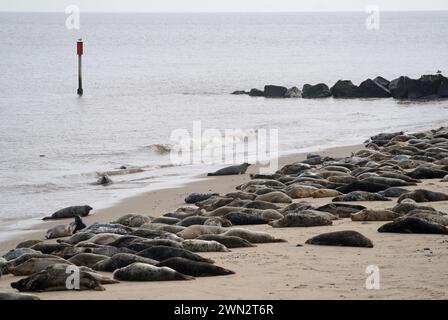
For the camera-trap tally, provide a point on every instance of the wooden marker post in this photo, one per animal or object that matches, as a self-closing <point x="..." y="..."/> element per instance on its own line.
<point x="80" y="51"/>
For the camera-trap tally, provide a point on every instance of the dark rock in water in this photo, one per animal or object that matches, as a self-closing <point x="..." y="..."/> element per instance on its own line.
<point x="240" y="92"/>
<point x="429" y="85"/>
<point x="382" y="81"/>
<point x="372" y="89"/>
<point x="400" y="87"/>
<point x="443" y="88"/>
<point x="293" y="92"/>
<point x="320" y="90"/>
<point x="271" y="91"/>
<point x="363" y="186"/>
<point x="427" y="173"/>
<point x="256" y="93"/>
<point x="344" y="89"/>
<point x="413" y="225"/>
<point x="421" y="195"/>
<point x="104" y="180"/>
<point x="196" y="197"/>
<point x="341" y="238"/>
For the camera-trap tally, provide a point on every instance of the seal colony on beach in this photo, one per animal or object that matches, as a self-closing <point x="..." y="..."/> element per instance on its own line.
<point x="173" y="246"/>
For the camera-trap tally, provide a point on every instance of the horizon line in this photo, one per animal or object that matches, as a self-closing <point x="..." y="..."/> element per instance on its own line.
<point x="215" y="12"/>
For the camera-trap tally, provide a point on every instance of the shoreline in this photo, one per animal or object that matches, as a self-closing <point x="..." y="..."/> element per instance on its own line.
<point x="412" y="266"/>
<point x="138" y="203"/>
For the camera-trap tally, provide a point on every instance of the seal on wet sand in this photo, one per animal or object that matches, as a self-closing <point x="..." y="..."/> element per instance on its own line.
<point x="70" y="212"/>
<point x="341" y="238"/>
<point x="232" y="170"/>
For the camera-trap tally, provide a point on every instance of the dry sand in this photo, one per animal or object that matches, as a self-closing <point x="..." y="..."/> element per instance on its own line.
<point x="411" y="266"/>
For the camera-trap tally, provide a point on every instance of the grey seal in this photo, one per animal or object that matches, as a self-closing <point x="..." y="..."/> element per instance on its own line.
<point x="161" y="253"/>
<point x="422" y="195"/>
<point x="194" y="268"/>
<point x="232" y="170"/>
<point x="70" y="212"/>
<point x="145" y="272"/>
<point x="229" y="241"/>
<point x="360" y="196"/>
<point x="413" y="225"/>
<point x="341" y="238"/>
<point x="300" y="220"/>
<point x="121" y="260"/>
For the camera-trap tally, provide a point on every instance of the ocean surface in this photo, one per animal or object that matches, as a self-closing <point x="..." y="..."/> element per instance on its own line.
<point x="146" y="75"/>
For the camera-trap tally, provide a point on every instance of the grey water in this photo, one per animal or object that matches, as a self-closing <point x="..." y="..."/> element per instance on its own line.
<point x="146" y="75"/>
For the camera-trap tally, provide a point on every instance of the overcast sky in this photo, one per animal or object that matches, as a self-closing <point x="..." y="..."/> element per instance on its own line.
<point x="220" y="5"/>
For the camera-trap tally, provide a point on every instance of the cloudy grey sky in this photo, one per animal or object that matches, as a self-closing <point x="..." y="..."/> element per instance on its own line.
<point x="220" y="5"/>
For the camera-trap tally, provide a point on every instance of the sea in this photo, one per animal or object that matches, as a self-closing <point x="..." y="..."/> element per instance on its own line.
<point x="146" y="75"/>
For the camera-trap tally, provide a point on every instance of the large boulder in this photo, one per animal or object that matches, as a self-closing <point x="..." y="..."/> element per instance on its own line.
<point x="256" y="93"/>
<point x="382" y="81"/>
<point x="429" y="85"/>
<point x="443" y="88"/>
<point x="293" y="92"/>
<point x="400" y="87"/>
<point x="344" y="89"/>
<point x="319" y="90"/>
<point x="271" y="91"/>
<point x="372" y="89"/>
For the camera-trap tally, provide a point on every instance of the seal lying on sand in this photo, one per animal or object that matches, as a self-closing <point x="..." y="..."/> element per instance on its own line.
<point x="17" y="296"/>
<point x="422" y="195"/>
<point x="194" y="268"/>
<point x="15" y="253"/>
<point x="274" y="197"/>
<point x="145" y="272"/>
<point x="34" y="265"/>
<point x="300" y="220"/>
<point x="252" y="236"/>
<point x="360" y="196"/>
<point x="229" y="241"/>
<point x="341" y="210"/>
<point x="161" y="253"/>
<point x="108" y="228"/>
<point x="196" y="245"/>
<point x="132" y="220"/>
<point x="242" y="218"/>
<point x="394" y="192"/>
<point x="194" y="231"/>
<point x="87" y="259"/>
<point x="55" y="280"/>
<point x="65" y="230"/>
<point x="121" y="260"/>
<point x="413" y="225"/>
<point x="232" y="170"/>
<point x="341" y="238"/>
<point x="374" y="215"/>
<point x="196" y="197"/>
<point x="70" y="212"/>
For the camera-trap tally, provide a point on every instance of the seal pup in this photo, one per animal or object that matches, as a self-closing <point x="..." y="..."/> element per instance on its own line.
<point x="232" y="170"/>
<point x="17" y="296"/>
<point x="422" y="195"/>
<point x="252" y="236"/>
<point x="70" y="212"/>
<point x="145" y="272"/>
<point x="300" y="220"/>
<point x="341" y="238"/>
<point x="121" y="260"/>
<point x="55" y="280"/>
<point x="194" y="268"/>
<point x="196" y="197"/>
<point x="161" y="253"/>
<point x="360" y="196"/>
<point x="374" y="215"/>
<point x="229" y="241"/>
<point x="196" y="245"/>
<point x="413" y="225"/>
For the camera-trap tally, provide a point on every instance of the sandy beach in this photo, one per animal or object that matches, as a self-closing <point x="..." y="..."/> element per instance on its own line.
<point x="412" y="266"/>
